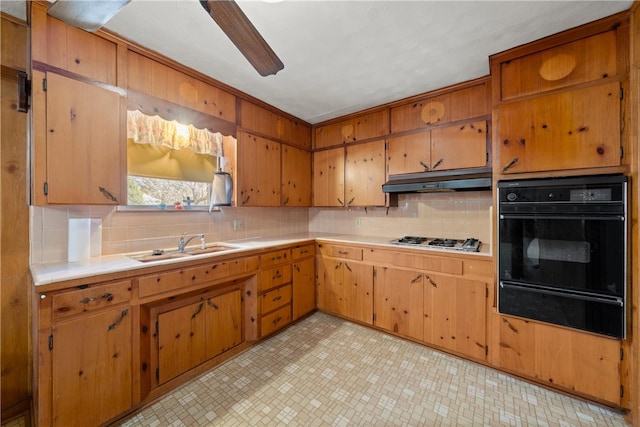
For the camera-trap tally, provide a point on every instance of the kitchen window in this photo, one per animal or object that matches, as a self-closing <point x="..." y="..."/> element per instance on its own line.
<point x="170" y="165"/>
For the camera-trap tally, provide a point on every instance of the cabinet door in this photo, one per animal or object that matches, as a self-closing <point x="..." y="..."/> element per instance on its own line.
<point x="409" y="153"/>
<point x="399" y="298"/>
<point x="570" y="130"/>
<point x="296" y="177"/>
<point x="460" y="146"/>
<point x="455" y="313"/>
<point x="85" y="151"/>
<point x="181" y="340"/>
<point x="346" y="289"/>
<point x="223" y="323"/>
<point x="258" y="171"/>
<point x="328" y="177"/>
<point x="365" y="174"/>
<point x="577" y="361"/>
<point x="304" y="290"/>
<point x="91" y="376"/>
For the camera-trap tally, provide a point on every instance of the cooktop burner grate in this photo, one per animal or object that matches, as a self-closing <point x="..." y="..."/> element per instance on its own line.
<point x="467" y="245"/>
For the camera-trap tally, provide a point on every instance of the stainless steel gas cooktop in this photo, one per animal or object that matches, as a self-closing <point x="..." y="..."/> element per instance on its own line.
<point x="466" y="245"/>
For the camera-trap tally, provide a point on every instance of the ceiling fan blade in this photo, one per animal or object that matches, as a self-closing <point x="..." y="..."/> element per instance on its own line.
<point x="235" y="24"/>
<point x="87" y="15"/>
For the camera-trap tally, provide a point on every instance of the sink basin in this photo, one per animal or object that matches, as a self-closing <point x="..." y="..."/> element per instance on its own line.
<point x="158" y="255"/>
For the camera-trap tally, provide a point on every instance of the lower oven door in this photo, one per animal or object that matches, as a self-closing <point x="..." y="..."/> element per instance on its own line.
<point x="589" y="312"/>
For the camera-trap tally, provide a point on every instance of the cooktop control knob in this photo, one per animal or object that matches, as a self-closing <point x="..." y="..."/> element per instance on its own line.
<point x="512" y="197"/>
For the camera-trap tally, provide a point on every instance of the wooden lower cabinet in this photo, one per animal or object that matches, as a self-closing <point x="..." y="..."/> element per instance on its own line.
<point x="454" y="314"/>
<point x="304" y="287"/>
<point x="91" y="375"/>
<point x="345" y="288"/>
<point x="576" y="361"/>
<point x="194" y="333"/>
<point x="398" y="297"/>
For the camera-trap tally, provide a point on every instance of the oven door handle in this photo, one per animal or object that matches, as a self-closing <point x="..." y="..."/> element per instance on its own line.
<point x="564" y="217"/>
<point x="567" y="294"/>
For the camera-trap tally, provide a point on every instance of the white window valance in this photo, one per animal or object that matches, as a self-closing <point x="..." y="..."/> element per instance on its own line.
<point x="156" y="131"/>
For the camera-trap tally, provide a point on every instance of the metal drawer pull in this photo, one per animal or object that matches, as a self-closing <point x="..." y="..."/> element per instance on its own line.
<point x="117" y="322"/>
<point x="107" y="296"/>
<point x="278" y="298"/>
<point x="275" y="258"/>
<point x="276" y="321"/>
<point x="343" y="252"/>
<point x="306" y="251"/>
<point x="277" y="276"/>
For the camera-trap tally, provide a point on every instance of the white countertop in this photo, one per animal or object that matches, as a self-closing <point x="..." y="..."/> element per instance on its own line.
<point x="48" y="273"/>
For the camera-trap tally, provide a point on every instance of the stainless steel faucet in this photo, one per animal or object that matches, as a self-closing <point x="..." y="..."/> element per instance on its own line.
<point x="182" y="243"/>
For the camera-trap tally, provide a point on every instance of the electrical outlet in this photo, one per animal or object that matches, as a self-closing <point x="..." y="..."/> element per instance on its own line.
<point x="358" y="222"/>
<point x="238" y="224"/>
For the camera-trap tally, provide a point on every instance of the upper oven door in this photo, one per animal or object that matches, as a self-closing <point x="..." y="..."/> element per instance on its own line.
<point x="572" y="252"/>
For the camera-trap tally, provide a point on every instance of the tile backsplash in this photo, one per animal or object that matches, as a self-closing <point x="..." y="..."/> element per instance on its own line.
<point x="453" y="215"/>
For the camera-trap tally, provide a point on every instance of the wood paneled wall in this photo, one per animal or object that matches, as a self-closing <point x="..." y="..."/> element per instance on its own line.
<point x="14" y="227"/>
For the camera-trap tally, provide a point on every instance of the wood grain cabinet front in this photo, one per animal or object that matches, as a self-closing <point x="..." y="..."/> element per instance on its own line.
<point x="259" y="161"/>
<point x="79" y="151"/>
<point x="360" y="128"/>
<point x="575" y="361"/>
<point x="303" y="280"/>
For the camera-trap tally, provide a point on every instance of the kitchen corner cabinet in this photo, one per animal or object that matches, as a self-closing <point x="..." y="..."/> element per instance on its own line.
<point x="270" y="124"/>
<point x="450" y="147"/>
<point x="84" y="355"/>
<point x="196" y="332"/>
<point x="575" y="361"/>
<point x="345" y="286"/>
<point x="296" y="176"/>
<point x="79" y="142"/>
<point x="258" y="171"/>
<point x="359" y="128"/>
<point x="351" y="176"/>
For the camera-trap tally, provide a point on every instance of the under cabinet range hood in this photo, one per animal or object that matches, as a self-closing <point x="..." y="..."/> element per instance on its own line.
<point x="450" y="180"/>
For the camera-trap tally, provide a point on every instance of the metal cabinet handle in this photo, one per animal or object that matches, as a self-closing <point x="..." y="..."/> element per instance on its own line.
<point x="275" y="258"/>
<point x="430" y="281"/>
<point x="106" y="296"/>
<point x="193" y="316"/>
<point x="347" y="266"/>
<point x="343" y="252"/>
<point x="296" y="267"/>
<point x="285" y="201"/>
<point x="418" y="277"/>
<point x="210" y="304"/>
<point x="436" y="164"/>
<point x="278" y="298"/>
<point x="510" y="164"/>
<point x="117" y="322"/>
<point x="277" y="320"/>
<point x="341" y="202"/>
<point x="106" y="193"/>
<point x="351" y="201"/>
<point x="277" y="276"/>
<point x="509" y="325"/>
<point x="424" y="165"/>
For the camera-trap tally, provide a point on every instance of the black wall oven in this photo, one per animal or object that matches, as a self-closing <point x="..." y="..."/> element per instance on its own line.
<point x="562" y="251"/>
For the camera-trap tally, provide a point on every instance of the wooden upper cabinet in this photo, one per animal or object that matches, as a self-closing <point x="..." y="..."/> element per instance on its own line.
<point x="586" y="60"/>
<point x="409" y="153"/>
<point x="365" y="174"/>
<point x="273" y="125"/>
<point x="79" y="150"/>
<point x="359" y="128"/>
<point x="258" y="171"/>
<point x="296" y="177"/>
<point x="328" y="177"/>
<point x="569" y="130"/>
<point x="462" y="104"/>
<point x="161" y="81"/>
<point x="68" y="48"/>
<point x="459" y="146"/>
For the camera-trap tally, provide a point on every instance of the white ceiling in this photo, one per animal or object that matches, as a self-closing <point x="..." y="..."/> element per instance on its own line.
<point x="345" y="56"/>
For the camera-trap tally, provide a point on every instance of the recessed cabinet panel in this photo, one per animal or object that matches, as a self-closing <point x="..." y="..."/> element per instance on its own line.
<point x="570" y="130"/>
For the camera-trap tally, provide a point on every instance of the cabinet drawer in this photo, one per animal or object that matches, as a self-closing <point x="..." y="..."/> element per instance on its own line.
<point x="303" y="251"/>
<point x="276" y="320"/>
<point x="92" y="298"/>
<point x="275" y="258"/>
<point x="176" y="279"/>
<point x="275" y="277"/>
<point x="244" y="265"/>
<point x="275" y="298"/>
<point x="341" y="252"/>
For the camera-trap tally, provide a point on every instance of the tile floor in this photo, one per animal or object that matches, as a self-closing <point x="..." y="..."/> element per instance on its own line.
<point x="325" y="371"/>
